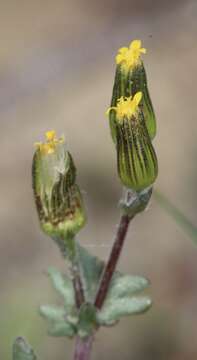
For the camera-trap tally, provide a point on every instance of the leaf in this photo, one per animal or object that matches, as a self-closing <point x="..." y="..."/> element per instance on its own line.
<point x="69" y="321"/>
<point x="122" y="286"/>
<point x="113" y="311"/>
<point x="61" y="328"/>
<point x="177" y="215"/>
<point x="59" y="324"/>
<point x="126" y="285"/>
<point x="52" y="312"/>
<point x="91" y="269"/>
<point x="22" y="350"/>
<point x="117" y="303"/>
<point x="63" y="285"/>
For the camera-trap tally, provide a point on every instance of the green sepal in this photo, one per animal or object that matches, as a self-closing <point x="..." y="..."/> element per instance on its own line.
<point x="135" y="202"/>
<point x="136" y="158"/>
<point x="126" y="84"/>
<point x="137" y="81"/>
<point x="58" y="198"/>
<point x="118" y="91"/>
<point x="21" y="350"/>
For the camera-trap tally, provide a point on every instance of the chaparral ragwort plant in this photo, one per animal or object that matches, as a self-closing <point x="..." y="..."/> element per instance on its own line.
<point x="95" y="294"/>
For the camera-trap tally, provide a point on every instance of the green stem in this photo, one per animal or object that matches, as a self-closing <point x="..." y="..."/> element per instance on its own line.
<point x="176" y="214"/>
<point x="68" y="250"/>
<point x="77" y="284"/>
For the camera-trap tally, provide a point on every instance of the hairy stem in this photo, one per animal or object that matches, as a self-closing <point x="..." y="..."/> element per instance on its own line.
<point x="77" y="281"/>
<point x="83" y="348"/>
<point x="69" y="251"/>
<point x="78" y="288"/>
<point x="112" y="261"/>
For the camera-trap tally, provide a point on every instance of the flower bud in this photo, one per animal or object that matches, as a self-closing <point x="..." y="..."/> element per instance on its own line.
<point x="136" y="158"/>
<point x="129" y="79"/>
<point x="57" y="196"/>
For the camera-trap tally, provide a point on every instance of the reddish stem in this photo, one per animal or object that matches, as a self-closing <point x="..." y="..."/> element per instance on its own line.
<point x="83" y="348"/>
<point x="112" y="261"/>
<point x="79" y="293"/>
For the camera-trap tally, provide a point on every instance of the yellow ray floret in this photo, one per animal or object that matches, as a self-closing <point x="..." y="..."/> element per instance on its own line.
<point x="126" y="106"/>
<point x="130" y="57"/>
<point x="51" y="143"/>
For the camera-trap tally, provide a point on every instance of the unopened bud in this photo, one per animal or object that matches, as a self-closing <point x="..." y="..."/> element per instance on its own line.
<point x="136" y="158"/>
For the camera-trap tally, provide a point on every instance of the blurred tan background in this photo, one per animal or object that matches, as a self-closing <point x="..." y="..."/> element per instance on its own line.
<point x="56" y="71"/>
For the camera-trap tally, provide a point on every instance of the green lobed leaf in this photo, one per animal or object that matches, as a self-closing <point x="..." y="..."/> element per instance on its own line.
<point x="22" y="350"/>
<point x="91" y="269"/>
<point x="58" y="322"/>
<point x="61" y="328"/>
<point x="114" y="310"/>
<point x="126" y="285"/>
<point x="52" y="312"/>
<point x="177" y="215"/>
<point x="118" y="303"/>
<point x="68" y="321"/>
<point x="63" y="285"/>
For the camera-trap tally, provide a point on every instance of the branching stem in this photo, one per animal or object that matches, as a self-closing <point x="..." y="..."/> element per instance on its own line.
<point x="112" y="261"/>
<point x="83" y="346"/>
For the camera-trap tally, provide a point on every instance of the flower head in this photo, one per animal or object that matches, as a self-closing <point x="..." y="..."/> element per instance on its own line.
<point x="51" y="143"/>
<point x="129" y="57"/>
<point x="130" y="78"/>
<point x="57" y="196"/>
<point x="136" y="158"/>
<point x="127" y="106"/>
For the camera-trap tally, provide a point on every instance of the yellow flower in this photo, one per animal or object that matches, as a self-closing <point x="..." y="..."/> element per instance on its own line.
<point x="126" y="106"/>
<point x="50" y="135"/>
<point x="51" y="143"/>
<point x="130" y="57"/>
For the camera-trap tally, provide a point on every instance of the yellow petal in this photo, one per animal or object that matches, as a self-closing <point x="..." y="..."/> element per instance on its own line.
<point x="143" y="50"/>
<point x="50" y="135"/>
<point x="135" y="44"/>
<point x="137" y="98"/>
<point x="123" y="50"/>
<point x="51" y="143"/>
<point x="119" y="58"/>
